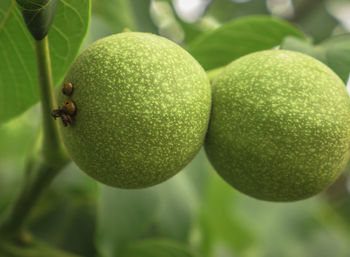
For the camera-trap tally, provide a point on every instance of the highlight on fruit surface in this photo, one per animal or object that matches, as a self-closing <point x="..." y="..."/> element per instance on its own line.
<point x="280" y="125"/>
<point x="143" y="106"/>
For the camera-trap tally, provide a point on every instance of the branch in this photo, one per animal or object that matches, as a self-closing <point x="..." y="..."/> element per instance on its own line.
<point x="52" y="148"/>
<point x="52" y="157"/>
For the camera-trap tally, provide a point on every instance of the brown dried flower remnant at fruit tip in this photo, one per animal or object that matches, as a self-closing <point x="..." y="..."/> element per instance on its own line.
<point x="66" y="112"/>
<point x="67" y="88"/>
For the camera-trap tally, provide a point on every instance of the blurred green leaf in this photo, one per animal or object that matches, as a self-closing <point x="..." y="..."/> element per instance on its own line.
<point x="338" y="55"/>
<point x="38" y="15"/>
<point x="239" y="37"/>
<point x="158" y="248"/>
<point x="164" y="17"/>
<point x="167" y="210"/>
<point x="306" y="47"/>
<point x="226" y="10"/>
<point x="334" y="52"/>
<point x="65" y="216"/>
<point x="316" y="21"/>
<point x="219" y="221"/>
<point x="233" y="224"/>
<point x="18" y="77"/>
<point x="17" y="139"/>
<point x="123" y="215"/>
<point x="69" y="223"/>
<point x="193" y="30"/>
<point x="116" y="13"/>
<point x="34" y="249"/>
<point x="179" y="201"/>
<point x="142" y="15"/>
<point x="199" y="172"/>
<point x="222" y="9"/>
<point x="121" y="14"/>
<point x="178" y="204"/>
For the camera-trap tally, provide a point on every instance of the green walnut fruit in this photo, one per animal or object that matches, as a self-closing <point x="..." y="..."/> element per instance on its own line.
<point x="142" y="109"/>
<point x="280" y="125"/>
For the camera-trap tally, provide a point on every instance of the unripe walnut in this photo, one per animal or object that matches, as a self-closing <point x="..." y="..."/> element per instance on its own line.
<point x="143" y="106"/>
<point x="280" y="125"/>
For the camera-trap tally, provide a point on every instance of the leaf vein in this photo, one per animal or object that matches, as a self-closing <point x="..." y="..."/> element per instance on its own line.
<point x="7" y="15"/>
<point x="65" y="37"/>
<point x="74" y="10"/>
<point x="17" y="16"/>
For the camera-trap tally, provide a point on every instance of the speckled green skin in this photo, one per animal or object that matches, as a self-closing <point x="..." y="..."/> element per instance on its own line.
<point x="143" y="107"/>
<point x="280" y="125"/>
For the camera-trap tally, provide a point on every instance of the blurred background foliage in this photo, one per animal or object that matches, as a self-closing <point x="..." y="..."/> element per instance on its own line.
<point x="194" y="213"/>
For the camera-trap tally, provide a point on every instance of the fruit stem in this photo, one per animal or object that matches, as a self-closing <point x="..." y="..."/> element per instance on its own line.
<point x="52" y="158"/>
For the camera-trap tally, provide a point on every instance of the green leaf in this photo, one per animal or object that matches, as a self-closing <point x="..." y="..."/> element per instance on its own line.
<point x="177" y="206"/>
<point x="115" y="13"/>
<point x="38" y="15"/>
<point x="121" y="14"/>
<point x="220" y="221"/>
<point x="338" y="55"/>
<point x="239" y="37"/>
<point x="165" y="210"/>
<point x="225" y="10"/>
<point x="123" y="215"/>
<point x="17" y="139"/>
<point x="306" y="47"/>
<point x="319" y="22"/>
<point x="18" y="77"/>
<point x="66" y="215"/>
<point x="334" y="52"/>
<point x="142" y="16"/>
<point x="158" y="248"/>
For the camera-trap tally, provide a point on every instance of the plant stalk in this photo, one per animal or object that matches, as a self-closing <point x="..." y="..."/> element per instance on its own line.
<point x="52" y="156"/>
<point x="51" y="142"/>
